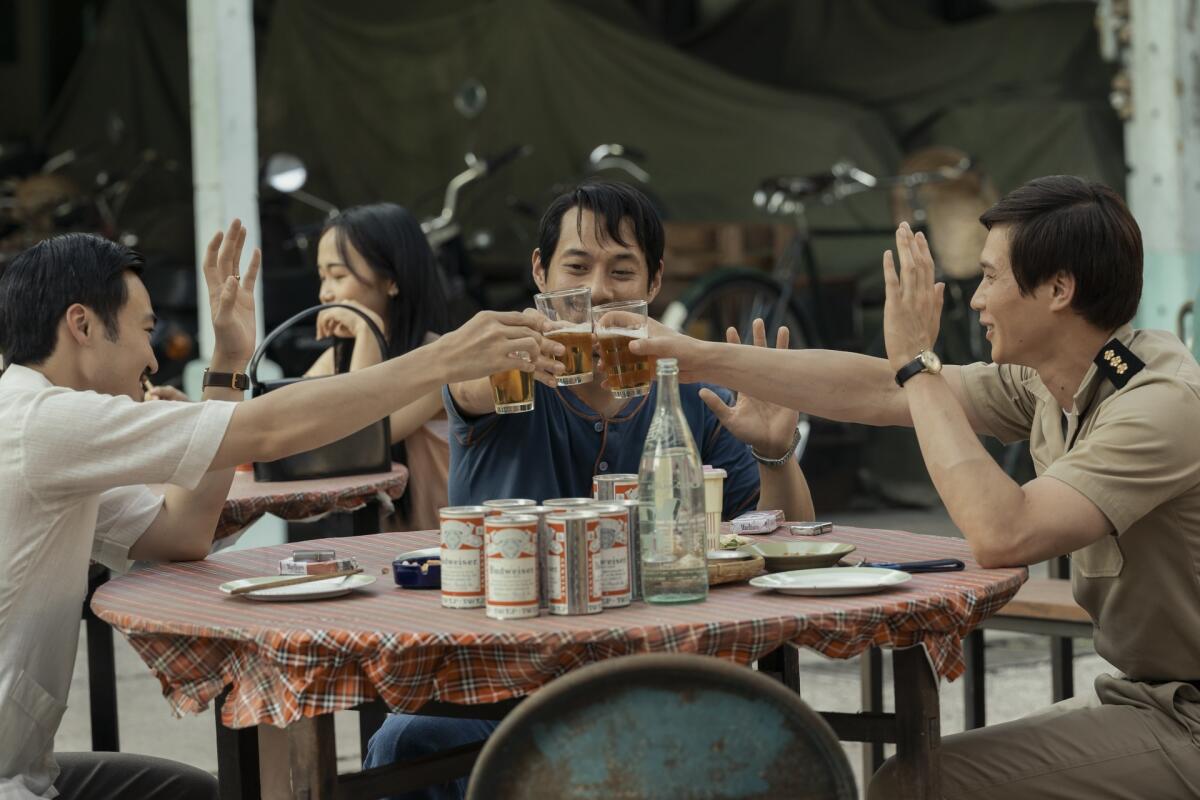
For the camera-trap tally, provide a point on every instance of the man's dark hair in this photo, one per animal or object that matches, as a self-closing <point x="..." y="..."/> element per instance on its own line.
<point x="38" y="287"/>
<point x="1061" y="223"/>
<point x="609" y="203"/>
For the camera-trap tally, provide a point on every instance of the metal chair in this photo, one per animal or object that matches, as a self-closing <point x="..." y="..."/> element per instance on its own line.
<point x="653" y="726"/>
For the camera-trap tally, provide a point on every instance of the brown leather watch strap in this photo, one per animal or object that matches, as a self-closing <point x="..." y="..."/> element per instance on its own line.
<point x="225" y="380"/>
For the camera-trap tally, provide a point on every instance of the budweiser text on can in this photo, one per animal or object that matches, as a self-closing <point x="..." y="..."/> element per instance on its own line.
<point x="462" y="556"/>
<point x="615" y="487"/>
<point x="511" y="555"/>
<point x="635" y="545"/>
<point x="512" y="506"/>
<point x="616" y="573"/>
<point x="573" y="563"/>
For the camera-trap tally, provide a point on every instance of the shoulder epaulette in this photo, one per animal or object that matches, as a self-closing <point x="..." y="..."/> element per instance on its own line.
<point x="1118" y="364"/>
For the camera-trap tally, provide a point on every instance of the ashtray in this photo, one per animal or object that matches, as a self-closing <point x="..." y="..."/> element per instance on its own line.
<point x="414" y="570"/>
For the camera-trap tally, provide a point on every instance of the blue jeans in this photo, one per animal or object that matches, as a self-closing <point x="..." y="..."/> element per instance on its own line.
<point x="407" y="736"/>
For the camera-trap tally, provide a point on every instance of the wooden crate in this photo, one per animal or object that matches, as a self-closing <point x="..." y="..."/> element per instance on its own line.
<point x="695" y="248"/>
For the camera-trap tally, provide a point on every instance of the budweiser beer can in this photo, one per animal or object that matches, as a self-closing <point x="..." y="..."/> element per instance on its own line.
<point x="635" y="545"/>
<point x="462" y="556"/>
<point x="616" y="566"/>
<point x="511" y="554"/>
<point x="513" y="506"/>
<point x="573" y="563"/>
<point x="615" y="487"/>
<point x="569" y="503"/>
<point x="541" y="512"/>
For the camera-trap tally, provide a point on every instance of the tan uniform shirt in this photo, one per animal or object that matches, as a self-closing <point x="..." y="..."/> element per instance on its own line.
<point x="1135" y="453"/>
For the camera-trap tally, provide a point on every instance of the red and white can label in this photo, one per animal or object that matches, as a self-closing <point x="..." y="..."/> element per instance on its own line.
<point x="462" y="562"/>
<point x="512" y="577"/>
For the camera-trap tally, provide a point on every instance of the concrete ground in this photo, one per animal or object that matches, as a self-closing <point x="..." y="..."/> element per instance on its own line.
<point x="1018" y="680"/>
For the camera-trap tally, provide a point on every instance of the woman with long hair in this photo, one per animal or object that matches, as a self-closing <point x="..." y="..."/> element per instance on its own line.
<point x="375" y="258"/>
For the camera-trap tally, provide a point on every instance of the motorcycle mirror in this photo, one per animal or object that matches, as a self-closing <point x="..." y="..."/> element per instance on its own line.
<point x="470" y="99"/>
<point x="285" y="173"/>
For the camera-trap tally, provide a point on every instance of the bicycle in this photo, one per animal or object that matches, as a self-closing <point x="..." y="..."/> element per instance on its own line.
<point x="735" y="296"/>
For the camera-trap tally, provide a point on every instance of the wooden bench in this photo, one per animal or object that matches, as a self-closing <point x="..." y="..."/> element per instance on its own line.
<point x="1043" y="606"/>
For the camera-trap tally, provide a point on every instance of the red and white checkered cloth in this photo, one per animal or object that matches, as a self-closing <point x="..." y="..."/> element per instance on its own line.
<point x="300" y="500"/>
<point x="288" y="660"/>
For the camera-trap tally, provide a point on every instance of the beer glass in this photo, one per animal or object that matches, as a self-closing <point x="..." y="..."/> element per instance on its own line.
<point x="570" y="315"/>
<point x="512" y="389"/>
<point x="617" y="324"/>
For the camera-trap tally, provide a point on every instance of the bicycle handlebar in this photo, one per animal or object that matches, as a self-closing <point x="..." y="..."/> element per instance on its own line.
<point x="788" y="195"/>
<point x="477" y="169"/>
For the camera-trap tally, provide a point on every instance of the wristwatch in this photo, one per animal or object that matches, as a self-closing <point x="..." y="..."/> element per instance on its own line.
<point x="926" y="361"/>
<point x="225" y="380"/>
<point x="783" y="459"/>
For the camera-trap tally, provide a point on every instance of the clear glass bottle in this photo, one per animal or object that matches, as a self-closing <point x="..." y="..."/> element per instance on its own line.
<point x="671" y="512"/>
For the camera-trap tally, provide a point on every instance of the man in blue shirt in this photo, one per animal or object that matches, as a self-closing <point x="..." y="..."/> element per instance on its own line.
<point x="609" y="238"/>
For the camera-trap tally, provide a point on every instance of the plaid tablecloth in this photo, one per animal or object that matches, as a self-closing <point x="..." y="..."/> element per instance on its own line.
<point x="301" y="500"/>
<point x="287" y="660"/>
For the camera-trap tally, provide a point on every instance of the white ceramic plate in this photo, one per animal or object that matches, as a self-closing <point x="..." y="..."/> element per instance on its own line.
<point x="832" y="580"/>
<point x="315" y="590"/>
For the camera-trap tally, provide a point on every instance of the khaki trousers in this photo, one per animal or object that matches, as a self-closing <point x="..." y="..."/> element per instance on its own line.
<point x="1128" y="740"/>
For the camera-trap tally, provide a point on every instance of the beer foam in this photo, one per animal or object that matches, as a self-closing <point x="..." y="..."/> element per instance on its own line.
<point x="631" y="333"/>
<point x="581" y="328"/>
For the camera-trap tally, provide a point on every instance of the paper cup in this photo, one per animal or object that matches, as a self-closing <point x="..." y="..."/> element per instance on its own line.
<point x="714" y="494"/>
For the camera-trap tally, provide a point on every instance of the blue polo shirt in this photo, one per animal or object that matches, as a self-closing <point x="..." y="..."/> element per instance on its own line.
<point x="556" y="449"/>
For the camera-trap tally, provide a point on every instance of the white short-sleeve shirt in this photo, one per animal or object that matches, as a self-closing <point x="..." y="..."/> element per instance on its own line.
<point x="73" y="472"/>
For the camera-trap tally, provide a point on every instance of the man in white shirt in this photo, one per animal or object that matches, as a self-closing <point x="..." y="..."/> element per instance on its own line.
<point x="77" y="448"/>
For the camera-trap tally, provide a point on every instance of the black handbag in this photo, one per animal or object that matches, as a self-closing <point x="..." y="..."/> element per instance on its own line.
<point x="360" y="453"/>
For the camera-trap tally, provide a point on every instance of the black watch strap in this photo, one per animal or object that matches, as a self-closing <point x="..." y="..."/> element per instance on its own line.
<point x="225" y="380"/>
<point x="914" y="367"/>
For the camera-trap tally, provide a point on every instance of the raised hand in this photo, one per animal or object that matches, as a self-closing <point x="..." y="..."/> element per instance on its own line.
<point x="766" y="427"/>
<point x="493" y="341"/>
<point x="231" y="296"/>
<point x="345" y="324"/>
<point x="912" y="308"/>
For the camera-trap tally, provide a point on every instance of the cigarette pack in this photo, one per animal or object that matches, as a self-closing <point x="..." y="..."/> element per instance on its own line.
<point x="290" y="566"/>
<point x="756" y="522"/>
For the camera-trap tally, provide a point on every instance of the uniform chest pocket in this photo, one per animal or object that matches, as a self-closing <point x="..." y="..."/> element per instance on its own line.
<point x="1102" y="559"/>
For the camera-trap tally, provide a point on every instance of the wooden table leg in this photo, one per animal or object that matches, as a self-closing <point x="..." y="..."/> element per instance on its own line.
<point x="237" y="759"/>
<point x="918" y="726"/>
<point x="974" y="680"/>
<point x="102" y="670"/>
<point x="871" y="683"/>
<point x="312" y="754"/>
<point x="367" y="518"/>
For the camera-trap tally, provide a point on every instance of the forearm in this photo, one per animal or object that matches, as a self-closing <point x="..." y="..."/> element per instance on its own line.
<point x="408" y="419"/>
<point x="984" y="502"/>
<point x="473" y="398"/>
<point x="184" y="528"/>
<point x="314" y="413"/>
<point x="784" y="487"/>
<point x="366" y="351"/>
<point x="827" y="383"/>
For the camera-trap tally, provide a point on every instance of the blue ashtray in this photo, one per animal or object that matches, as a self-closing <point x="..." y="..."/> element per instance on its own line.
<point x="411" y="570"/>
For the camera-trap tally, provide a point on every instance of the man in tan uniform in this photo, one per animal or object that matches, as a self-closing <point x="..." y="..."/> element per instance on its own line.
<point x="1112" y="416"/>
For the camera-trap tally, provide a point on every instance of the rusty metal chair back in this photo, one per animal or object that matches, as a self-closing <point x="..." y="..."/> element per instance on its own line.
<point x="655" y="726"/>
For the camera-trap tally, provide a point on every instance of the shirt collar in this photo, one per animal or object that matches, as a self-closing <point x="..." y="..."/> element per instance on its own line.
<point x="17" y="375"/>
<point x="628" y="411"/>
<point x="1093" y="387"/>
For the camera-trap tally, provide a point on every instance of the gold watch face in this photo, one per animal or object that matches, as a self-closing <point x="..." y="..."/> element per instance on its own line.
<point x="931" y="362"/>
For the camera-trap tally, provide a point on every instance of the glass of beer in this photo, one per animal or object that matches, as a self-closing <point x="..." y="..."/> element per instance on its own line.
<point x="570" y="315"/>
<point x="617" y="324"/>
<point x="512" y="389"/>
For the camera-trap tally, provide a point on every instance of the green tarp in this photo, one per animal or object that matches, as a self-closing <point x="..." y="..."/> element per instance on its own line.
<point x="362" y="91"/>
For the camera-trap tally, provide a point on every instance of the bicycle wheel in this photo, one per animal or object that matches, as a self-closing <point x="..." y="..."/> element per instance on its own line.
<point x="735" y="297"/>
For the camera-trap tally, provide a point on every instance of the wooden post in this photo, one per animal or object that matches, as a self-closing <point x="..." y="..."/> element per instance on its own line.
<point x="312" y="754"/>
<point x="918" y="726"/>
